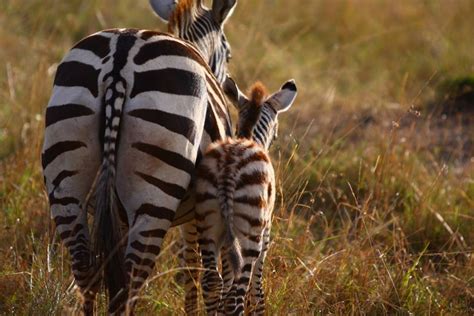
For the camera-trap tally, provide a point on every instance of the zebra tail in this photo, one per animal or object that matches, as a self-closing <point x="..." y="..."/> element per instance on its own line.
<point x="107" y="237"/>
<point x="231" y="243"/>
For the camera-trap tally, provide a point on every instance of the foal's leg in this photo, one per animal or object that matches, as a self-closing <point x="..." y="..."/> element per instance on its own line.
<point x="192" y="263"/>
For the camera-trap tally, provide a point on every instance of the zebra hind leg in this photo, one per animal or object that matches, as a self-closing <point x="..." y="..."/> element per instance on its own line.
<point x="235" y="301"/>
<point x="191" y="263"/>
<point x="211" y="281"/>
<point x="228" y="279"/>
<point x="257" y="296"/>
<point x="150" y="224"/>
<point x="140" y="259"/>
<point x="71" y="225"/>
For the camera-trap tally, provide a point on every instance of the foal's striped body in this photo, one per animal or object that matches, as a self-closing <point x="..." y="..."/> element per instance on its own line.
<point x="235" y="196"/>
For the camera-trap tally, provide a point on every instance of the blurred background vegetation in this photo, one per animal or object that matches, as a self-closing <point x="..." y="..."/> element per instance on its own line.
<point x="375" y="161"/>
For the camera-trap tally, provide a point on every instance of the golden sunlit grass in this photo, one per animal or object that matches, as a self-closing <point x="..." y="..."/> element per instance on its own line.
<point x="375" y="207"/>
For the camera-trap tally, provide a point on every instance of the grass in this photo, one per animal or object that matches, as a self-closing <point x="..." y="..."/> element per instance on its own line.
<point x="375" y="205"/>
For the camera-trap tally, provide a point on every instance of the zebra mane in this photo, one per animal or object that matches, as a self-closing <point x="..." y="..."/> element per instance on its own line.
<point x="258" y="93"/>
<point x="184" y="13"/>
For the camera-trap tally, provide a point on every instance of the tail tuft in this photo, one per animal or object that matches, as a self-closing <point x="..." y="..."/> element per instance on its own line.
<point x="107" y="237"/>
<point x="234" y="252"/>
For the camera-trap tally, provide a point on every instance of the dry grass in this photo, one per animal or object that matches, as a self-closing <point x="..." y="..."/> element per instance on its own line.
<point x="376" y="201"/>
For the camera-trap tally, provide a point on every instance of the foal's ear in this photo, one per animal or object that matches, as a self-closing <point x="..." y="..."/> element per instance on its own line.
<point x="222" y="10"/>
<point x="233" y="93"/>
<point x="283" y="99"/>
<point x="163" y="8"/>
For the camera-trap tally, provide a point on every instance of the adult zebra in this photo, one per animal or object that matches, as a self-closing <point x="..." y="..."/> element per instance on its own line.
<point x="129" y="114"/>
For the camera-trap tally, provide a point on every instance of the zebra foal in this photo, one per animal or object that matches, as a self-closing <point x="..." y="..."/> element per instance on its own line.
<point x="235" y="195"/>
<point x="133" y="109"/>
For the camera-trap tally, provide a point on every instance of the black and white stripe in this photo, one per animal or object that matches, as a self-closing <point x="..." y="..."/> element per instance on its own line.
<point x="129" y="114"/>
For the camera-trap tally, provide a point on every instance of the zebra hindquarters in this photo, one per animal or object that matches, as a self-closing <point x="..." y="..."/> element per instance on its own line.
<point x="159" y="141"/>
<point x="71" y="157"/>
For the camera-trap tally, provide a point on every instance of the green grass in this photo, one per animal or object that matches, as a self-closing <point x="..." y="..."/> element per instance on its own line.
<point x="375" y="204"/>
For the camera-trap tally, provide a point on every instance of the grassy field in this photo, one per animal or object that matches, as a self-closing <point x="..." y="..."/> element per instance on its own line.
<point x="375" y="161"/>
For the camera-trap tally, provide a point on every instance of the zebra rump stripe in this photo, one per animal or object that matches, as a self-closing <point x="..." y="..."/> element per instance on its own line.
<point x="168" y="80"/>
<point x="175" y="123"/>
<point x="169" y="157"/>
<point x="84" y="76"/>
<point x="153" y="50"/>
<point x="59" y="148"/>
<point x="97" y="44"/>
<point x="65" y="111"/>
